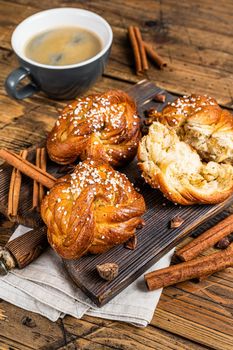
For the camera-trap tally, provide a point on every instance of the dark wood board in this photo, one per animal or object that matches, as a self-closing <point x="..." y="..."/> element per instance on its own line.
<point x="154" y="240"/>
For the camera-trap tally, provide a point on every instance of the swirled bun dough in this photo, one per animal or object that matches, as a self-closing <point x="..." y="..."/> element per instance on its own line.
<point x="187" y="153"/>
<point x="203" y="124"/>
<point x="101" y="126"/>
<point x="91" y="210"/>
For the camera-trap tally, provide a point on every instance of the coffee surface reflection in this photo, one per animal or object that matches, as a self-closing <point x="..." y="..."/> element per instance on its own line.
<point x="63" y="46"/>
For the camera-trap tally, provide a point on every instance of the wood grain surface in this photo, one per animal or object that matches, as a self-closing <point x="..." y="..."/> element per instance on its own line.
<point x="195" y="38"/>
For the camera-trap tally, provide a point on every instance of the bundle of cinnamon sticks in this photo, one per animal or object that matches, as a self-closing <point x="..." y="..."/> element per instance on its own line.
<point x="194" y="267"/>
<point x="141" y="50"/>
<point x="14" y="189"/>
<point x="36" y="172"/>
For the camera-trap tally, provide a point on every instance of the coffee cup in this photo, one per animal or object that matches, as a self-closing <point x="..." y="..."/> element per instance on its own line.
<point x="58" y="82"/>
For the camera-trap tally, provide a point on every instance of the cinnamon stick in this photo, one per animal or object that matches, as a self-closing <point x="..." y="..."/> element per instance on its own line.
<point x="135" y="47"/>
<point x="11" y="191"/>
<point x="154" y="56"/>
<point x="28" y="168"/>
<point x="141" y="48"/>
<point x="206" y="240"/>
<point x="43" y="166"/>
<point x="14" y="190"/>
<point x="35" y="196"/>
<point x="38" y="189"/>
<point x="196" y="268"/>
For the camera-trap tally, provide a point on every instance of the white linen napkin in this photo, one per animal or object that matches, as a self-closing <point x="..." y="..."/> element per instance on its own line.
<point x="44" y="287"/>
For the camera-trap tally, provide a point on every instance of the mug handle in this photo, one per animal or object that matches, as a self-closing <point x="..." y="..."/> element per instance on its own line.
<point x="12" y="81"/>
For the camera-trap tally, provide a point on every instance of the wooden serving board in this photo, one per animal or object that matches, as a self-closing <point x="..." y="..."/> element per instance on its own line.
<point x="154" y="240"/>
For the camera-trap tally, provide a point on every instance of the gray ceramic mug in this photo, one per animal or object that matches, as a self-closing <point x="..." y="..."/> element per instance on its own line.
<point x="58" y="82"/>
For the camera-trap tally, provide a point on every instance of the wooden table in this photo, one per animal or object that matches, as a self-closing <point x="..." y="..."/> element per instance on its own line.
<point x="195" y="37"/>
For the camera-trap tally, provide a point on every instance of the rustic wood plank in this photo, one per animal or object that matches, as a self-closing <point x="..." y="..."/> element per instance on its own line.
<point x="194" y="64"/>
<point x="180" y="76"/>
<point x="196" y="332"/>
<point x="197" y="14"/>
<point x="200" y="305"/>
<point x="8" y="344"/>
<point x="88" y="333"/>
<point x="84" y="344"/>
<point x="195" y="37"/>
<point x="122" y="336"/>
<point x="14" y="332"/>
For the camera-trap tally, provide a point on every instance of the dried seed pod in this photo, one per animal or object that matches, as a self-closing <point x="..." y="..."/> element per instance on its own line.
<point x="28" y="321"/>
<point x="176" y="222"/>
<point x="131" y="243"/>
<point x="224" y="242"/>
<point x="159" y="98"/>
<point x="108" y="271"/>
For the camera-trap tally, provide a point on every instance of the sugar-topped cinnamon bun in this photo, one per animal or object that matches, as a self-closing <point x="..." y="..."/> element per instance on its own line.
<point x="101" y="126"/>
<point x="188" y="152"/>
<point x="91" y="210"/>
<point x="202" y="123"/>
